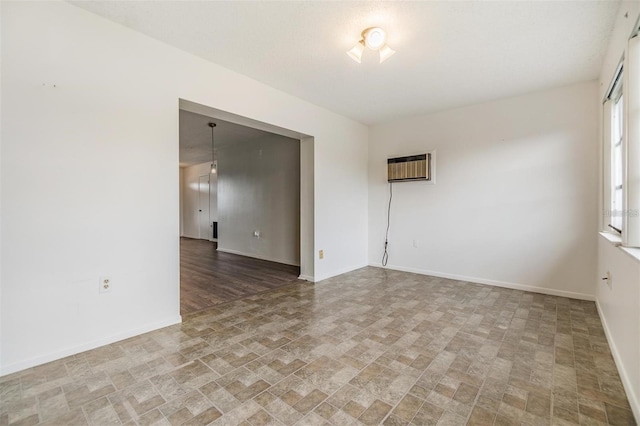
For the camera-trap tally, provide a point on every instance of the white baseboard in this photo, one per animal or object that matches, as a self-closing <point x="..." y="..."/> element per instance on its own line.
<point x="626" y="382"/>
<point x="513" y="286"/>
<point x="307" y="278"/>
<point x="52" y="356"/>
<point x="257" y="256"/>
<point x="339" y="272"/>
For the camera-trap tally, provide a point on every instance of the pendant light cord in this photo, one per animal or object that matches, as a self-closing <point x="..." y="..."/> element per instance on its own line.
<point x="212" y="125"/>
<point x="385" y="255"/>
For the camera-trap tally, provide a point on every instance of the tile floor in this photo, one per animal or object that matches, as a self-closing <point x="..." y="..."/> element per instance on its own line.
<point x="368" y="347"/>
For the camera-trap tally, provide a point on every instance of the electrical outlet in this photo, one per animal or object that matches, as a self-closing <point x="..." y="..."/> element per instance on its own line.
<point x="321" y="254"/>
<point x="415" y="243"/>
<point x="106" y="285"/>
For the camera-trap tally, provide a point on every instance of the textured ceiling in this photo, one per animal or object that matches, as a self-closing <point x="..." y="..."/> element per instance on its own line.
<point x="449" y="53"/>
<point x="195" y="136"/>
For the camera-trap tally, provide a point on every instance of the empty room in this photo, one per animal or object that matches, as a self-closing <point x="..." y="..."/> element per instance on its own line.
<point x="320" y="213"/>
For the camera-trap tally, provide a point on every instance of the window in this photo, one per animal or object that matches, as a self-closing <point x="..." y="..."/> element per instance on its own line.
<point x="614" y="187"/>
<point x="616" y="207"/>
<point x="621" y="150"/>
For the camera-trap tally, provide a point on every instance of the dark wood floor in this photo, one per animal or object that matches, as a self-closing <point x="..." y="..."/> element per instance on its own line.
<point x="209" y="277"/>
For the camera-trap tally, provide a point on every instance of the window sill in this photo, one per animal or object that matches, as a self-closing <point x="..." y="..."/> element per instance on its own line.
<point x="634" y="252"/>
<point x="616" y="240"/>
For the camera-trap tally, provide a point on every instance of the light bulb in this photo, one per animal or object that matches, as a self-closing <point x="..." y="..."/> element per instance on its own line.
<point x="374" y="38"/>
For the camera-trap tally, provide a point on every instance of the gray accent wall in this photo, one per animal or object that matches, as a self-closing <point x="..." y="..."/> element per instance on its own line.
<point x="259" y="191"/>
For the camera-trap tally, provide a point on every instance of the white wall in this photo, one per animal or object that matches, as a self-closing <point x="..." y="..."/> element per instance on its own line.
<point x="259" y="190"/>
<point x="619" y="310"/>
<point x="306" y="200"/>
<point x="619" y="306"/>
<point x="91" y="186"/>
<point x="190" y="199"/>
<point x="514" y="202"/>
<point x="181" y="199"/>
<point x="1" y="133"/>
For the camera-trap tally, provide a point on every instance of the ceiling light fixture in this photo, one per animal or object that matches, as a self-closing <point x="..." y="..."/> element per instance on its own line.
<point x="214" y="164"/>
<point x="375" y="39"/>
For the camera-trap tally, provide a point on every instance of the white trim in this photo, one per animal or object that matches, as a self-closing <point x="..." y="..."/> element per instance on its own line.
<point x="614" y="239"/>
<point x="606" y="165"/>
<point x="631" y="146"/>
<point x="307" y="278"/>
<point x="614" y="79"/>
<point x="256" y="256"/>
<point x="432" y="181"/>
<point x="339" y="272"/>
<point x="513" y="286"/>
<point x="633" y="252"/>
<point x="626" y="382"/>
<point x="52" y="356"/>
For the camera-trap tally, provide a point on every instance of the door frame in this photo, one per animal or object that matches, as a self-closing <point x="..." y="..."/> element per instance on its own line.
<point x="208" y="207"/>
<point x="307" y="175"/>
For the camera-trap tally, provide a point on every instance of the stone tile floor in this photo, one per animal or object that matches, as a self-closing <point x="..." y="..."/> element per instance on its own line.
<point x="369" y="347"/>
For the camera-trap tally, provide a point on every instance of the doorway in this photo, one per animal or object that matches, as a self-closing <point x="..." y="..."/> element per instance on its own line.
<point x="259" y="201"/>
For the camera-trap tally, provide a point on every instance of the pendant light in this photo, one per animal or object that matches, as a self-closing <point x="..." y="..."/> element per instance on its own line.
<point x="214" y="165"/>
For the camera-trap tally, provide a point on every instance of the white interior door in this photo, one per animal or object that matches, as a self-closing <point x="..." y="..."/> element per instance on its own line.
<point x="204" y="225"/>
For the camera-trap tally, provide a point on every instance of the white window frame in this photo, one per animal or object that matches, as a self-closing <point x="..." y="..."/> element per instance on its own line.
<point x="631" y="145"/>
<point x="614" y="121"/>
<point x="625" y="86"/>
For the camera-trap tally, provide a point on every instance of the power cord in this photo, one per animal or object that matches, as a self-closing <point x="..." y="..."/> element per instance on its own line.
<point x="385" y="255"/>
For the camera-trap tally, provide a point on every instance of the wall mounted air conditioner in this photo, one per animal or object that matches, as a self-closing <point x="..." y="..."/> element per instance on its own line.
<point x="409" y="168"/>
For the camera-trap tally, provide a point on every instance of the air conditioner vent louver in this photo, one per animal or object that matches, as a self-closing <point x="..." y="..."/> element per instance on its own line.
<point x="409" y="168"/>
